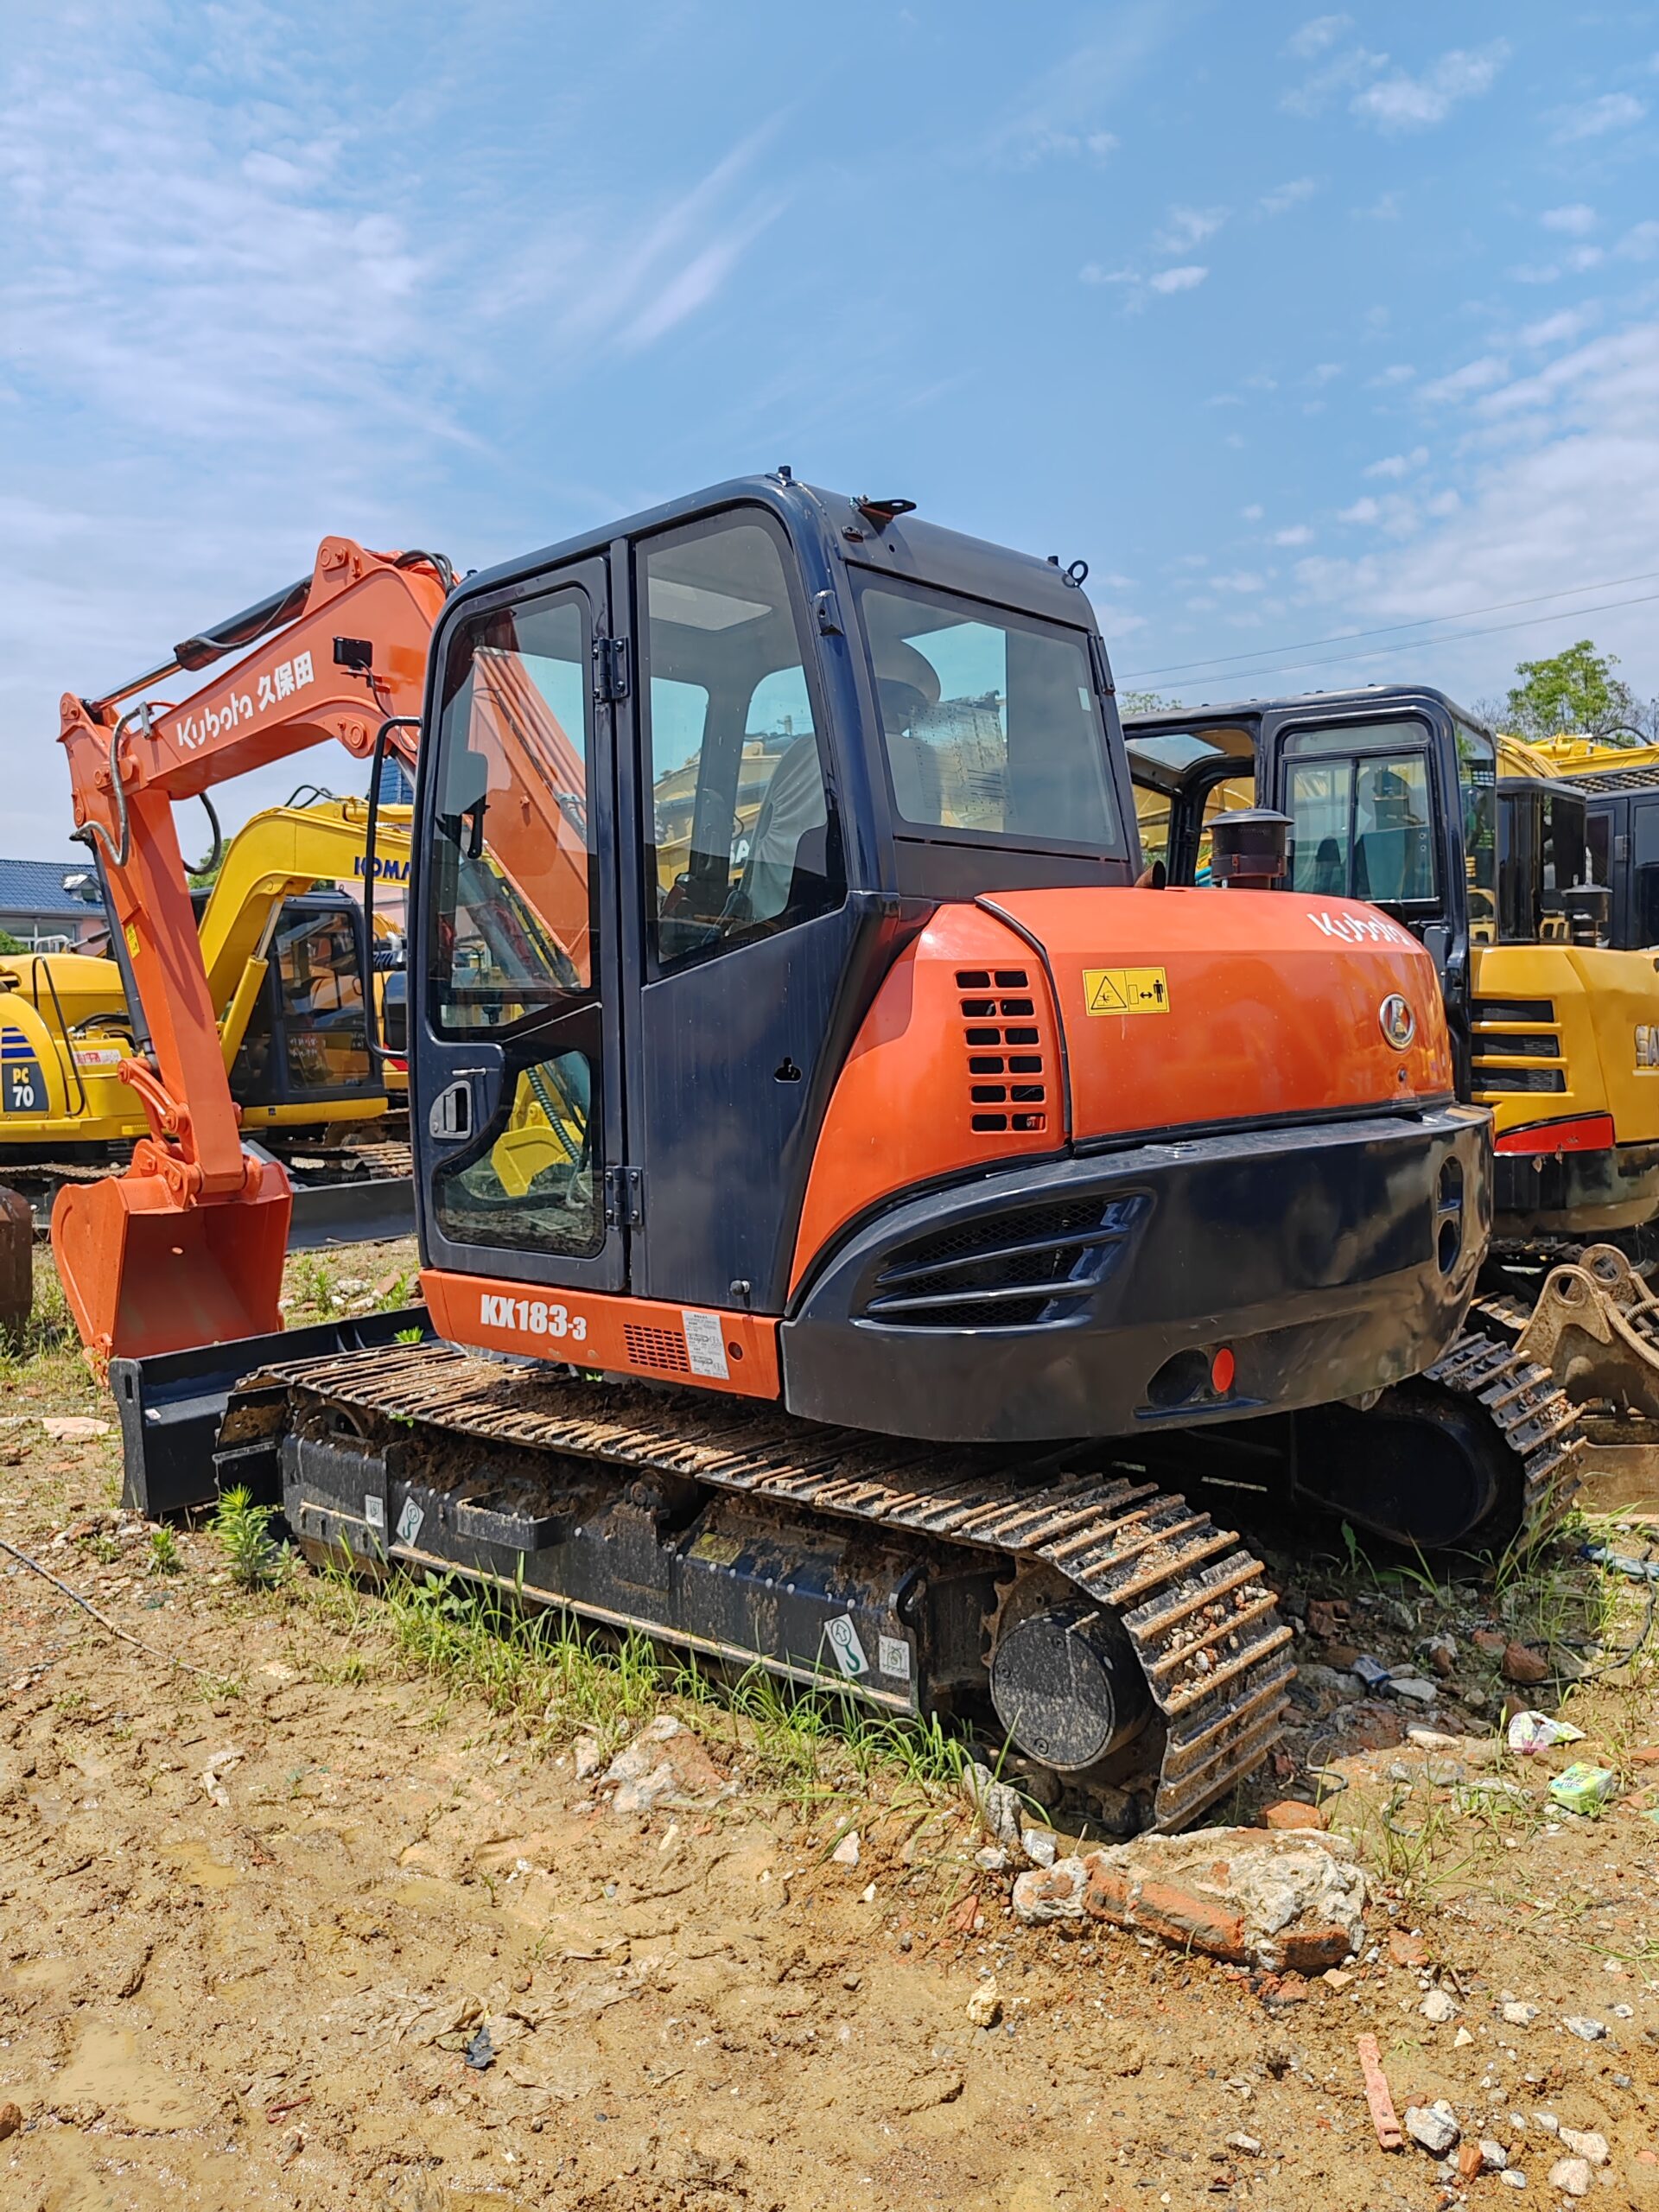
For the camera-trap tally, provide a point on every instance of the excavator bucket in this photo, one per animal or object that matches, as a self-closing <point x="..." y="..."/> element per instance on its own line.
<point x="1596" y="1327"/>
<point x="143" y="1274"/>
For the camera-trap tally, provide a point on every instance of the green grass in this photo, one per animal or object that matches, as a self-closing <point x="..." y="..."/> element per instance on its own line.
<point x="164" y="1556"/>
<point x="243" y="1529"/>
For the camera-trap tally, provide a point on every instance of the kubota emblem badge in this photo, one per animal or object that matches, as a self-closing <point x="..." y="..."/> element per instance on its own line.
<point x="1397" y="1021"/>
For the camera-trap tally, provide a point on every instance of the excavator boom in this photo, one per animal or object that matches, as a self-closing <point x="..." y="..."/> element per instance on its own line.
<point x="187" y="1246"/>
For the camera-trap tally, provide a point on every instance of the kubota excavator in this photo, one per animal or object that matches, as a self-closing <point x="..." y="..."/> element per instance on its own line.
<point x="919" y="1174"/>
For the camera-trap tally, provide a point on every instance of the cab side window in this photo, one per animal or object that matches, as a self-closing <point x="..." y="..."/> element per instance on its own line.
<point x="742" y="836"/>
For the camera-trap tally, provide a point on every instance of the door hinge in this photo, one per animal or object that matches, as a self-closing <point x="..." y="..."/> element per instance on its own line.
<point x="625" y="1197"/>
<point x="610" y="668"/>
<point x="1100" y="667"/>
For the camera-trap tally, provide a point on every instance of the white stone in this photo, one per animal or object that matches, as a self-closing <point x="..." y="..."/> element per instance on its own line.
<point x="846" y="1852"/>
<point x="1462" y="2039"/>
<point x="1438" y="2007"/>
<point x="1587" y="2144"/>
<point x="1493" y="2156"/>
<point x="1512" y="2177"/>
<point x="1519" y="2016"/>
<point x="985" y="2005"/>
<point x="1587" y="2031"/>
<point x="1039" y="1846"/>
<point x="1250" y="2145"/>
<point x="1572" y="2176"/>
<point x="1434" y="2126"/>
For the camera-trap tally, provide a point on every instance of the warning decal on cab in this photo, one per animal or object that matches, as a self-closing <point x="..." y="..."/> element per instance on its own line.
<point x="1125" y="990"/>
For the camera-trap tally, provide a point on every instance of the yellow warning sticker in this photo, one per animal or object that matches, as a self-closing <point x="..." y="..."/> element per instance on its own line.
<point x="131" y="934"/>
<point x="1125" y="990"/>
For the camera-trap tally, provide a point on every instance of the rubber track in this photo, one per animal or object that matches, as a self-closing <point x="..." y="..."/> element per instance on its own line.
<point x="1534" y="1416"/>
<point x="1195" y="1606"/>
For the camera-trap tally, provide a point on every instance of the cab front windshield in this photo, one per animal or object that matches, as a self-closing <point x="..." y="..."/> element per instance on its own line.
<point x="990" y="723"/>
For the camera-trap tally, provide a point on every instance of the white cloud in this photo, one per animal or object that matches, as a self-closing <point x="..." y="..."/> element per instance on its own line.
<point x="1558" y="329"/>
<point x="1092" y="273"/>
<point x="1297" y="533"/>
<point x="1474" y="376"/>
<point x="1340" y="74"/>
<point x="1407" y="102"/>
<point x="1363" y="510"/>
<point x="1186" y="227"/>
<point x="1178" y="280"/>
<point x="1396" y="372"/>
<point x="1243" y="580"/>
<point x="1284" y="197"/>
<point x="1399" y="464"/>
<point x="1251" y="513"/>
<point x="1315" y="36"/>
<point x="1323" y="372"/>
<point x="1569" y="495"/>
<point x="1574" y="221"/>
<point x="1640" y="243"/>
<point x="1058" y="116"/>
<point x="1593" y="118"/>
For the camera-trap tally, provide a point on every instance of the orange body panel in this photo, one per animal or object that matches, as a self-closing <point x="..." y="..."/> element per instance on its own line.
<point x="700" y="1346"/>
<point x="1250" y="1006"/>
<point x="1273" y="1007"/>
<point x="903" y="1111"/>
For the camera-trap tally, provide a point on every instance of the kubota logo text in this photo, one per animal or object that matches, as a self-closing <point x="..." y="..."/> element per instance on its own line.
<point x="1360" y="929"/>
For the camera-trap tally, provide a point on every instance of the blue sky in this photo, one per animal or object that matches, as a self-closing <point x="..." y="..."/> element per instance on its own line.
<point x="1294" y="325"/>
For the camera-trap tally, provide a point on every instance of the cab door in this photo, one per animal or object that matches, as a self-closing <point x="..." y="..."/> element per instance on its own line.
<point x="516" y="971"/>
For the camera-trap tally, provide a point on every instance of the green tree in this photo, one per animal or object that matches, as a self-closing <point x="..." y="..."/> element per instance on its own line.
<point x="9" y="944"/>
<point x="1146" y="702"/>
<point x="1573" y="691"/>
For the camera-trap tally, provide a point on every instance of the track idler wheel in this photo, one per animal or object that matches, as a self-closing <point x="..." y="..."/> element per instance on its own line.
<point x="1068" y="1687"/>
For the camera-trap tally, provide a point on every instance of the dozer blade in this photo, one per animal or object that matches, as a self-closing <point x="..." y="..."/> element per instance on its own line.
<point x="145" y="1274"/>
<point x="1596" y="1327"/>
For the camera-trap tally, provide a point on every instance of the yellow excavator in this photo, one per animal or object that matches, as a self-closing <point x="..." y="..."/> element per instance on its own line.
<point x="286" y="955"/>
<point x="1476" y="845"/>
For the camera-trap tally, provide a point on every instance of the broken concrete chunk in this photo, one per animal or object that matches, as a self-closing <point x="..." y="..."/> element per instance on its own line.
<point x="1438" y="2007"/>
<point x="1292" y="1902"/>
<point x="1572" y="2176"/>
<point x="1433" y="2127"/>
<point x="1040" y="1845"/>
<point x="1519" y="2016"/>
<point x="1051" y="1892"/>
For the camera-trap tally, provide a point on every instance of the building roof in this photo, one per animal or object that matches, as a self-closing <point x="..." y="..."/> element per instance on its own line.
<point x="37" y="886"/>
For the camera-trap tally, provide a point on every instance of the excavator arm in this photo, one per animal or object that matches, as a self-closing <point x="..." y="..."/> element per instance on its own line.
<point x="187" y="1246"/>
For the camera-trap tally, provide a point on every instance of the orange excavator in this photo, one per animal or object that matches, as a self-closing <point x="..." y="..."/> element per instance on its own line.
<point x="185" y="1247"/>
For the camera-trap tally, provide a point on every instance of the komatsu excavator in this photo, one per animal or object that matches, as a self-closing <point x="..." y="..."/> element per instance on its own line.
<point x="1477" y="846"/>
<point x="286" y="963"/>
<point x="900" y="1174"/>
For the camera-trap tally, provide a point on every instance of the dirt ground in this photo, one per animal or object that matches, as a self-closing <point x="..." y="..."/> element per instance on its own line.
<point x="253" y="1914"/>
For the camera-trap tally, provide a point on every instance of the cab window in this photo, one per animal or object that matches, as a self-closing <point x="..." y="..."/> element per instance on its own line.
<point x="742" y="838"/>
<point x="1361" y="822"/>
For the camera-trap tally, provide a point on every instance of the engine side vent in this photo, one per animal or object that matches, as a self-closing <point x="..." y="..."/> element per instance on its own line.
<point x="1491" y="1080"/>
<point x="1008" y="1271"/>
<point x="1514" y="1010"/>
<point x="661" y="1348"/>
<point x="1007" y="1071"/>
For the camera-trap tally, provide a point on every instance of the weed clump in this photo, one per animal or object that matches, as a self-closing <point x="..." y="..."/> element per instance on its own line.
<point x="256" y="1558"/>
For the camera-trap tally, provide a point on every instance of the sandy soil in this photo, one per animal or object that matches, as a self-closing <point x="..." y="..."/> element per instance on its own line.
<point x="256" y="1990"/>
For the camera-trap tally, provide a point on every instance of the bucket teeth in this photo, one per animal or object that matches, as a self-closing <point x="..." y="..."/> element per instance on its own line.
<point x="1194" y="1604"/>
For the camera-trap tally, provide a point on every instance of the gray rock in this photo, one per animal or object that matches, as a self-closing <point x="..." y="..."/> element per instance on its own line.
<point x="1434" y="2126"/>
<point x="1040" y="1845"/>
<point x="1587" y="2031"/>
<point x="1415" y="1689"/>
<point x="1493" y="2156"/>
<point x="994" y="1804"/>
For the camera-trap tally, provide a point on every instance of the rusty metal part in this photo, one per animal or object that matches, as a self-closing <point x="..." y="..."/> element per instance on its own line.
<point x="1533" y="1420"/>
<point x="1196" y="1608"/>
<point x="1596" y="1327"/>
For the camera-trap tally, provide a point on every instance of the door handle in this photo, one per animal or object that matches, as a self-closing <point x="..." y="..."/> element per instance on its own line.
<point x="449" y="1118"/>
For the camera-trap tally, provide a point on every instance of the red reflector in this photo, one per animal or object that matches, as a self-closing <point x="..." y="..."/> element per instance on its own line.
<point x="1223" y="1367"/>
<point x="400" y="1066"/>
<point x="1583" y="1133"/>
